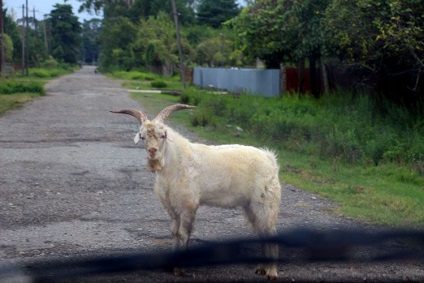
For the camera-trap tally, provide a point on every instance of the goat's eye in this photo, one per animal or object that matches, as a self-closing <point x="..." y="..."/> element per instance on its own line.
<point x="162" y="136"/>
<point x="143" y="138"/>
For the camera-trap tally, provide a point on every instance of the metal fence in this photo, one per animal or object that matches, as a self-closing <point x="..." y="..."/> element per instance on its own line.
<point x="334" y="246"/>
<point x="254" y="81"/>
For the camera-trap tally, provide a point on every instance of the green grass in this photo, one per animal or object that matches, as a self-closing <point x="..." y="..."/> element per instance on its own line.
<point x="14" y="101"/>
<point x="387" y="194"/>
<point x="15" y="92"/>
<point x="147" y="81"/>
<point x="383" y="195"/>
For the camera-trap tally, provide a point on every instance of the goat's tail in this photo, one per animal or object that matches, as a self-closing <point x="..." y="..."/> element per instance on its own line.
<point x="272" y="156"/>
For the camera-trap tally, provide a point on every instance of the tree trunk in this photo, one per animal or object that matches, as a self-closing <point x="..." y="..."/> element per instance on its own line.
<point x="301" y="80"/>
<point x="324" y="77"/>
<point x="313" y="76"/>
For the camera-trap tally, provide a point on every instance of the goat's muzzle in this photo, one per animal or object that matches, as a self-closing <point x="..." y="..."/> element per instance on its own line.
<point x="152" y="152"/>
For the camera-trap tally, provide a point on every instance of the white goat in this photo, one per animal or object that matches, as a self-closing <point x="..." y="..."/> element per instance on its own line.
<point x="229" y="176"/>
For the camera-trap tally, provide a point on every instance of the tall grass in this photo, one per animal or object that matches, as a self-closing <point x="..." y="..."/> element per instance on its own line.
<point x="50" y="71"/>
<point x="339" y="126"/>
<point x="13" y="94"/>
<point x="9" y="87"/>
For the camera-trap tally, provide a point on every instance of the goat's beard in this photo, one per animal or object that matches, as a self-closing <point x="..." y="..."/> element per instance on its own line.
<point x="157" y="162"/>
<point x="154" y="164"/>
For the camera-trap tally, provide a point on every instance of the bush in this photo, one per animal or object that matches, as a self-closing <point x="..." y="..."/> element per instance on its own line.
<point x="50" y="63"/>
<point x="48" y="73"/>
<point x="39" y="73"/>
<point x="149" y="77"/>
<point x="191" y="97"/>
<point x="11" y="87"/>
<point x="158" y="84"/>
<point x="132" y="75"/>
<point x="342" y="126"/>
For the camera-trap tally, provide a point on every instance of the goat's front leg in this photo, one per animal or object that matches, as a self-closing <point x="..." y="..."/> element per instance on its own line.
<point x="184" y="232"/>
<point x="186" y="226"/>
<point x="174" y="227"/>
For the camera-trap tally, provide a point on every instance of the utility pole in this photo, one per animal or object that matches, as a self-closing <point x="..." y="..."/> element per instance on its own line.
<point x="27" y="40"/>
<point x="1" y="39"/>
<point x="45" y="35"/>
<point x="23" y="39"/>
<point x="34" y="20"/>
<point x="180" y="52"/>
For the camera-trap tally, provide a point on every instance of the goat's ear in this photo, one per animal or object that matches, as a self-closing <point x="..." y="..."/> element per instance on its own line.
<point x="137" y="138"/>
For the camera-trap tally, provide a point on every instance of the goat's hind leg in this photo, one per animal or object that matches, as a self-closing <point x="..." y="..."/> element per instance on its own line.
<point x="266" y="228"/>
<point x="252" y="219"/>
<point x="263" y="223"/>
<point x="270" y="252"/>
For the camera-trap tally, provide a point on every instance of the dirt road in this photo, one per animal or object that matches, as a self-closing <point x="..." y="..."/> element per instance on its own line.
<point x="73" y="183"/>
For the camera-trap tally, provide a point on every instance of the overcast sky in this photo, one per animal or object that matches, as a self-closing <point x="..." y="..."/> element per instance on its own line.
<point x="43" y="7"/>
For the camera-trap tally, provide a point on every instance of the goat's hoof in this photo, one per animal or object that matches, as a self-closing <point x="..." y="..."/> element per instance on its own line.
<point x="272" y="274"/>
<point x="178" y="272"/>
<point x="272" y="277"/>
<point x="260" y="270"/>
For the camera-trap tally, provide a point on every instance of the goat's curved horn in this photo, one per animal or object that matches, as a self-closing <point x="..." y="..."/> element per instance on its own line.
<point x="164" y="113"/>
<point x="141" y="117"/>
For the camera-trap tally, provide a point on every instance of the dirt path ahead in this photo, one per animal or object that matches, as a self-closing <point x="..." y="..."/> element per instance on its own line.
<point x="73" y="183"/>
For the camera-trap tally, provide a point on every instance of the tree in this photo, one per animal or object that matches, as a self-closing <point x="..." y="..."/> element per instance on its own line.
<point x="215" y="51"/>
<point x="286" y="31"/>
<point x="382" y="39"/>
<point x="34" y="43"/>
<point x="283" y="31"/>
<point x="216" y="12"/>
<point x="140" y="9"/>
<point x="116" y="40"/>
<point x="8" y="48"/>
<point x="387" y="39"/>
<point x="90" y="45"/>
<point x="65" y="34"/>
<point x="11" y="29"/>
<point x="157" y="34"/>
<point x="156" y="43"/>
